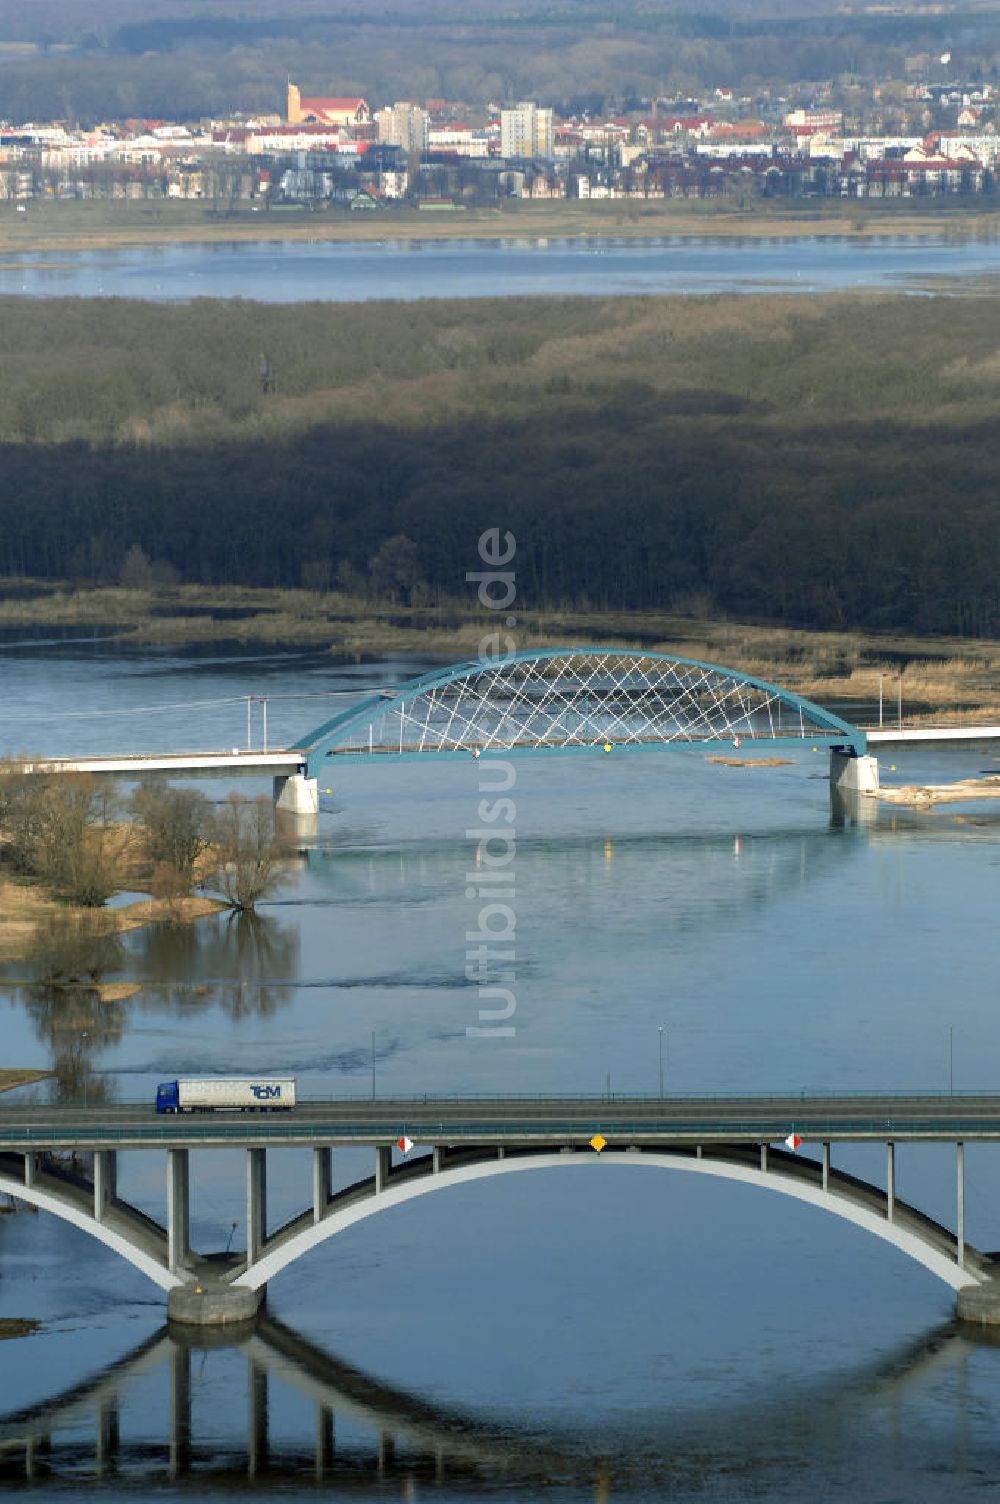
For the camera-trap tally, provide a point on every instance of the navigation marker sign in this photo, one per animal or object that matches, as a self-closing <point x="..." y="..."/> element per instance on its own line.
<point x="598" y="1142"/>
<point x="405" y="1144"/>
<point x="792" y="1141"/>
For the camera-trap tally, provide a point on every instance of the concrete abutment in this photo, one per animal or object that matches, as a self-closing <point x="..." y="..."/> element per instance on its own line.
<point x="854" y="773"/>
<point x="296" y="794"/>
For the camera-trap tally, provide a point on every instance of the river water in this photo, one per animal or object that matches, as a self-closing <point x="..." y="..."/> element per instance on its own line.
<point x="607" y="1334"/>
<point x="596" y="267"/>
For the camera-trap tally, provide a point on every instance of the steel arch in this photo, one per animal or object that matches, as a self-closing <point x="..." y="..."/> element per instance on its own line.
<point x="582" y="699"/>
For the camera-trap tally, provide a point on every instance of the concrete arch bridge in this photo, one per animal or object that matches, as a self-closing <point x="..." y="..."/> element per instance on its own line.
<point x="736" y="1139"/>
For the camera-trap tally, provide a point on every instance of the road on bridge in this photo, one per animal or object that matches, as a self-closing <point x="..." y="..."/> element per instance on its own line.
<point x="622" y="1120"/>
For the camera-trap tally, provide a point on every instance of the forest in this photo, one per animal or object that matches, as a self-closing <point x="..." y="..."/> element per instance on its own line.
<point x="112" y="59"/>
<point x="814" y="461"/>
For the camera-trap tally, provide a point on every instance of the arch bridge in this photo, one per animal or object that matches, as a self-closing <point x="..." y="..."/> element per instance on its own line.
<point x="466" y="1140"/>
<point x="546" y="701"/>
<point x="574" y="700"/>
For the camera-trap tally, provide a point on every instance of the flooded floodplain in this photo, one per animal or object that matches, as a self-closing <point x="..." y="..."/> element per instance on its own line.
<point x="616" y="1334"/>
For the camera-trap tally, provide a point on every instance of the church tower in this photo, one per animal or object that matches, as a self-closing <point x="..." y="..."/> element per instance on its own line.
<point x="294" y="104"/>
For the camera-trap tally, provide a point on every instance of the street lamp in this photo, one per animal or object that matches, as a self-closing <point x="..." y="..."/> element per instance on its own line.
<point x="661" y="1058"/>
<point x="373" y="1065"/>
<point x="83" y="1061"/>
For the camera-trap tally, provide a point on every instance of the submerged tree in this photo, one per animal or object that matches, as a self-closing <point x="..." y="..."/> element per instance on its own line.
<point x="75" y="950"/>
<point x="248" y="851"/>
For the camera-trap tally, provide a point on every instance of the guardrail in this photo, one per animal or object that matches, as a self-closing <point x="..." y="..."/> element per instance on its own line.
<point x="426" y="1099"/>
<point x="544" y="1130"/>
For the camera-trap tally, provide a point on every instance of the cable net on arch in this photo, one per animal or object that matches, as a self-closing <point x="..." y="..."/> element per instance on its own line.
<point x="583" y="700"/>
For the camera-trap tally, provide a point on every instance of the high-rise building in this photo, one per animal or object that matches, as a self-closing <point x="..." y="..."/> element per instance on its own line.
<point x="544" y="131"/>
<point x="526" y="130"/>
<point x="404" y="125"/>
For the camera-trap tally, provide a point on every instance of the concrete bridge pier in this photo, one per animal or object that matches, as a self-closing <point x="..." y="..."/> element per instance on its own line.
<point x="852" y="772"/>
<point x="296" y="794"/>
<point x="210" y="1300"/>
<point x="213" y="1303"/>
<point x="979" y="1305"/>
<point x="105" y="1182"/>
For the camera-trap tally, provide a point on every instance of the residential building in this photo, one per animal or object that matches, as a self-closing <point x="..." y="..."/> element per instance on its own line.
<point x="405" y="125"/>
<point x="526" y="130"/>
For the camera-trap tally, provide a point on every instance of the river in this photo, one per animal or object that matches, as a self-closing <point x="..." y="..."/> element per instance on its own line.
<point x="614" y="1335"/>
<point x="296" y="271"/>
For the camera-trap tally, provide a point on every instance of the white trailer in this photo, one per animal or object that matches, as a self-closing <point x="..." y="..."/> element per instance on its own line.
<point x="226" y="1093"/>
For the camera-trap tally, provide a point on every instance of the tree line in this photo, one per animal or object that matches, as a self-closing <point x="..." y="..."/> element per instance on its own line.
<point x="103" y="62"/>
<point x="810" y="462"/>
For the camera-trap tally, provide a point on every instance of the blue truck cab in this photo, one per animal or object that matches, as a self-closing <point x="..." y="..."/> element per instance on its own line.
<point x="167" y="1099"/>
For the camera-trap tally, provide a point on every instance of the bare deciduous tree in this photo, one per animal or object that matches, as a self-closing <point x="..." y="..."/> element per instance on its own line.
<point x="62" y="830"/>
<point x="248" y="850"/>
<point x="176" y="828"/>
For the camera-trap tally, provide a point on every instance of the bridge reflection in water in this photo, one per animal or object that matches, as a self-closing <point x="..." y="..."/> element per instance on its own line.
<point x="364" y="1432"/>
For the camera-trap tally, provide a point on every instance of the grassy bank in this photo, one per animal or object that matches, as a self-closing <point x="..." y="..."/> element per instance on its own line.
<point x="936" y="674"/>
<point x="11" y="1078"/>
<point x="27" y="906"/>
<point x="74" y="227"/>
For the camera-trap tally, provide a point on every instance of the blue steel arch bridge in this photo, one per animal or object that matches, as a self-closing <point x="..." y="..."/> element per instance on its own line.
<point x="550" y="701"/>
<point x="559" y="700"/>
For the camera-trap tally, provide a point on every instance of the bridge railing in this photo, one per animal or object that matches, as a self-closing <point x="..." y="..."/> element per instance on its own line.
<point x="365" y="1099"/>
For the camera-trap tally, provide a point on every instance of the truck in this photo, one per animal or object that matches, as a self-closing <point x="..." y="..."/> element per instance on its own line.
<point x="226" y="1094"/>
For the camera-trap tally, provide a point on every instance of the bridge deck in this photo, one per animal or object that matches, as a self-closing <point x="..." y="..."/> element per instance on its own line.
<point x="516" y="1121"/>
<point x="135" y="764"/>
<point x="903" y="735"/>
<point x="282" y="761"/>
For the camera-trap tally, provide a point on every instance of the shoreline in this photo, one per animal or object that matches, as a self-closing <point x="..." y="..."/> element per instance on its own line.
<point x="76" y="228"/>
<point x="960" y="676"/>
<point x="27" y="902"/>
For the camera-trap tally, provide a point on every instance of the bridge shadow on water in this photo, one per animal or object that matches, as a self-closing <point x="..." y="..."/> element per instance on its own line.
<point x="205" y="1411"/>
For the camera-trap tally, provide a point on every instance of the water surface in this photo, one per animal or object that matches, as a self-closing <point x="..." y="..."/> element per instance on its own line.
<point x="297" y="271"/>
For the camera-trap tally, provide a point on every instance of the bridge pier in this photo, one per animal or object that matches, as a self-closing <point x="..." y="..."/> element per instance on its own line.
<point x="178" y="1207"/>
<point x="383" y="1168"/>
<point x="256" y="1203"/>
<point x="854" y="773"/>
<point x="322" y="1182"/>
<point x="297" y="794"/>
<point x="213" y="1304"/>
<point x="105" y="1181"/>
<point x="979" y="1305"/>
